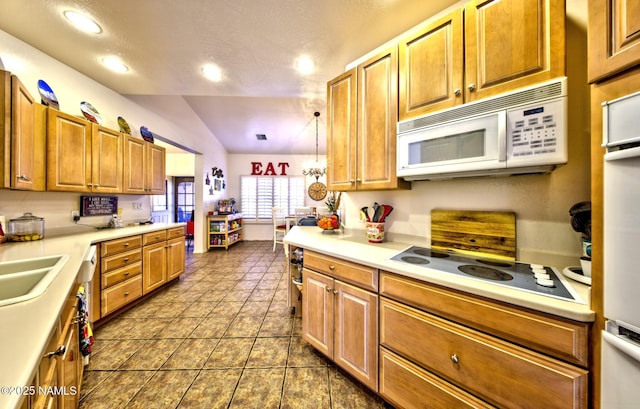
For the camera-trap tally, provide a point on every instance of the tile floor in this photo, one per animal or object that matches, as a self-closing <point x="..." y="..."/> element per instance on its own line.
<point x="221" y="337"/>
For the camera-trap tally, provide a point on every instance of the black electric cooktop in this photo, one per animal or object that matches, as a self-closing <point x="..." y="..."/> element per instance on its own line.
<point x="533" y="278"/>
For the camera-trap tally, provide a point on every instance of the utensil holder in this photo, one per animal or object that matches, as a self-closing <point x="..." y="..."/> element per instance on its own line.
<point x="375" y="232"/>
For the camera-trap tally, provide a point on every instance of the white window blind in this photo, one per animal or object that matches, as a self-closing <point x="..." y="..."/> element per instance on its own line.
<point x="260" y="193"/>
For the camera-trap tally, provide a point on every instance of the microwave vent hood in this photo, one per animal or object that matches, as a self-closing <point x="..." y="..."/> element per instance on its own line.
<point x="544" y="91"/>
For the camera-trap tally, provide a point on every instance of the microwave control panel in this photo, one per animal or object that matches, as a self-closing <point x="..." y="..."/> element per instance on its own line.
<point x="537" y="131"/>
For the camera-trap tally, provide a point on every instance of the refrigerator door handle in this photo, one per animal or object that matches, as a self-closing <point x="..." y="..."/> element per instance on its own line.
<point x="621" y="344"/>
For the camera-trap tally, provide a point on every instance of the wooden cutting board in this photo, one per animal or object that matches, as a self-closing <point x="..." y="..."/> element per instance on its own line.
<point x="477" y="233"/>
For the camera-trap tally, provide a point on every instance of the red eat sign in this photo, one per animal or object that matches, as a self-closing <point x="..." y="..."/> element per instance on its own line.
<point x="256" y="169"/>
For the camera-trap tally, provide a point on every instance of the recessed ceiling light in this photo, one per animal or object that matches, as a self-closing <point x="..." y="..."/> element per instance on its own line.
<point x="261" y="137"/>
<point x="212" y="72"/>
<point x="305" y="65"/>
<point x="82" y="22"/>
<point x="114" y="64"/>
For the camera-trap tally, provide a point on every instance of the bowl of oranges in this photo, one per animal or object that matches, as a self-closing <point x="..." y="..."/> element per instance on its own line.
<point x="328" y="223"/>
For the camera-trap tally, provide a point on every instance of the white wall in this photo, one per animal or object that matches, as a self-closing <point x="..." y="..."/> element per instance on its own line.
<point x="240" y="165"/>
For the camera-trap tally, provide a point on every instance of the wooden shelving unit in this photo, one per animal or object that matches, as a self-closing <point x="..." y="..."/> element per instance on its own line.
<point x="224" y="230"/>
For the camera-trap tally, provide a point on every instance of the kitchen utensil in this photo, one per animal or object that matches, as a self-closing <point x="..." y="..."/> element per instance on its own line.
<point x="364" y="212"/>
<point x="147" y="135"/>
<point x="90" y="112"/>
<point x="479" y="233"/>
<point x="375" y="209"/>
<point x="26" y="228"/>
<point x="387" y="209"/>
<point x="47" y="96"/>
<point x="379" y="210"/>
<point x="124" y="126"/>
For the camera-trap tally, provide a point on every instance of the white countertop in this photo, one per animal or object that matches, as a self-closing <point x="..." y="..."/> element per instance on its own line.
<point x="25" y="326"/>
<point x="354" y="247"/>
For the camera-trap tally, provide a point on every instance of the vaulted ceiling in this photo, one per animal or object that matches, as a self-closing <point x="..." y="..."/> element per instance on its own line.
<point x="255" y="43"/>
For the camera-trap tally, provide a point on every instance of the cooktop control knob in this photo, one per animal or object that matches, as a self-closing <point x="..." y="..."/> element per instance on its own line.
<point x="544" y="282"/>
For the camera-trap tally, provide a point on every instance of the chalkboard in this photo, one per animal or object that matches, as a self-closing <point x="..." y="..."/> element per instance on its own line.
<point x="98" y="205"/>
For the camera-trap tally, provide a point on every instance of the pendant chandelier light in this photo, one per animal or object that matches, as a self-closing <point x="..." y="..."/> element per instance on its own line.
<point x="317" y="169"/>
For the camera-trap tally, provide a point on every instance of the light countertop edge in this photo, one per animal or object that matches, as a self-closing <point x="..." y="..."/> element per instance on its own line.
<point x="356" y="249"/>
<point x="25" y="326"/>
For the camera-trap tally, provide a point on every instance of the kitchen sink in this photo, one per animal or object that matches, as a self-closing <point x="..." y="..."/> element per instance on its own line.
<point x="25" y="279"/>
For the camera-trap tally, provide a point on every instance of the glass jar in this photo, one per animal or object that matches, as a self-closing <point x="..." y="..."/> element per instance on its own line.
<point x="26" y="228"/>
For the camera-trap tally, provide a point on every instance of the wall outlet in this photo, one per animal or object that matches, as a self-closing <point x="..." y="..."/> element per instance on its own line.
<point x="75" y="215"/>
<point x="136" y="205"/>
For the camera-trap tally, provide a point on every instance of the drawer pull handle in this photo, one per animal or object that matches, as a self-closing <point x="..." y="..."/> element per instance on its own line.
<point x="329" y="289"/>
<point x="126" y="273"/>
<point x="126" y="244"/>
<point x="60" y="351"/>
<point x="127" y="293"/>
<point x="126" y="259"/>
<point x="332" y="267"/>
<point x="455" y="359"/>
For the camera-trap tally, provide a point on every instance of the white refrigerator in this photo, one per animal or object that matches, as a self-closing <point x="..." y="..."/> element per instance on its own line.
<point x="620" y="377"/>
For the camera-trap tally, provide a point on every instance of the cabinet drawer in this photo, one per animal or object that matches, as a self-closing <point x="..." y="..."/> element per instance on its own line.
<point x="175" y="233"/>
<point x="121" y="274"/>
<point x="121" y="294"/>
<point x="408" y="386"/>
<point x="154" y="237"/>
<point x="564" y="339"/>
<point x="121" y="260"/>
<point x="363" y="276"/>
<point x="111" y="247"/>
<point x="494" y="370"/>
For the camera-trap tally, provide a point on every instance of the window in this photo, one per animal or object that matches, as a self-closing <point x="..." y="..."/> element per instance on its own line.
<point x="184" y="199"/>
<point x="260" y="194"/>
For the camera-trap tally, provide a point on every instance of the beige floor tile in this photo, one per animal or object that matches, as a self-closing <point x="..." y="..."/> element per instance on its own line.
<point x="306" y="388"/>
<point x="114" y="353"/>
<point x="211" y="327"/>
<point x="244" y="326"/>
<point x="275" y="326"/>
<point x="91" y="380"/>
<point x="230" y="353"/>
<point x="237" y="295"/>
<point x="348" y="394"/>
<point x="259" y="388"/>
<point x="226" y="309"/>
<point x="152" y="355"/>
<point x="198" y="309"/>
<point x="212" y="389"/>
<point x="191" y="354"/>
<point x="116" y="390"/>
<point x="269" y="352"/>
<point x="303" y="354"/>
<point x="255" y="308"/>
<point x="164" y="390"/>
<point x="178" y="328"/>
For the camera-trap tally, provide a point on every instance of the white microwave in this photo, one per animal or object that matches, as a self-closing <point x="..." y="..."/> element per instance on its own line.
<point x="521" y="132"/>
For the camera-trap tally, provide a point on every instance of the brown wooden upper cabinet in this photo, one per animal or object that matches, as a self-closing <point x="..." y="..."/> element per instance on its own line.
<point x="614" y="37"/>
<point x="362" y="111"/>
<point x="144" y="167"/>
<point x="22" y="142"/>
<point x="82" y="156"/>
<point x="508" y="44"/>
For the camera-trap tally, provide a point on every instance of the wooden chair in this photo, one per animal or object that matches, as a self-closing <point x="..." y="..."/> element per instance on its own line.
<point x="278" y="216"/>
<point x="189" y="235"/>
<point x="300" y="212"/>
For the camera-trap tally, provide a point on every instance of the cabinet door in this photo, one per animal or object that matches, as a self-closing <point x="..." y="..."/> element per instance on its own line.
<point x="155" y="168"/>
<point x="431" y="67"/>
<point x="24" y="145"/>
<point x="134" y="165"/>
<point x="317" y="311"/>
<point x="510" y="44"/>
<point x="377" y="121"/>
<point x="106" y="160"/>
<point x="175" y="257"/>
<point x="154" y="266"/>
<point x="614" y="37"/>
<point x="356" y="332"/>
<point x="71" y="365"/>
<point x="68" y="152"/>
<point x="341" y="132"/>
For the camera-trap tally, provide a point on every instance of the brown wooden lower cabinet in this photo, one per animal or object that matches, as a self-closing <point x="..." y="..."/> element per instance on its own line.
<point x="407" y="385"/>
<point x="341" y="321"/>
<point x="154" y="266"/>
<point x="497" y="371"/>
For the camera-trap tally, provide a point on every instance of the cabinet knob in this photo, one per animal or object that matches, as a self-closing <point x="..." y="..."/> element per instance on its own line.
<point x="457" y="92"/>
<point x="126" y="259"/>
<point x="329" y="289"/>
<point x="335" y="292"/>
<point x="352" y="181"/>
<point x="455" y="359"/>
<point x="24" y="178"/>
<point x="90" y="184"/>
<point x="126" y="273"/>
<point x="126" y="244"/>
<point x="471" y="87"/>
<point x="332" y="267"/>
<point x="96" y="185"/>
<point x="60" y="351"/>
<point x="127" y="293"/>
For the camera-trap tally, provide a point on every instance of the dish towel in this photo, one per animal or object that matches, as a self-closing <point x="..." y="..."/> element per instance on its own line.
<point x="86" y="333"/>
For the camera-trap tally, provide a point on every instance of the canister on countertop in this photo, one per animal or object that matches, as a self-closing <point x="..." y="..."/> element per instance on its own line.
<point x="26" y="228"/>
